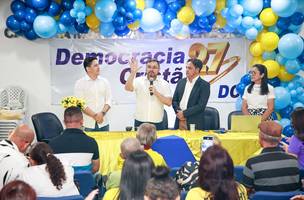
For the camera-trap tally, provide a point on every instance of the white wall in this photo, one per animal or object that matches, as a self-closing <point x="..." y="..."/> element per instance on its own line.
<point x="27" y="64"/>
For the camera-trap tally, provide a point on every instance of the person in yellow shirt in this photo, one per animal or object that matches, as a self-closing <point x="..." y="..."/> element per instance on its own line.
<point x="216" y="180"/>
<point x="146" y="134"/>
<point x="136" y="172"/>
<point x="127" y="146"/>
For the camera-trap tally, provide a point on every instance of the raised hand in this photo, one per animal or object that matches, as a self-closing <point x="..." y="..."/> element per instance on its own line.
<point x="134" y="65"/>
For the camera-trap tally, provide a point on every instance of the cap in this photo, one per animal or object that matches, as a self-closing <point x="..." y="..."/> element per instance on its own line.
<point x="271" y="128"/>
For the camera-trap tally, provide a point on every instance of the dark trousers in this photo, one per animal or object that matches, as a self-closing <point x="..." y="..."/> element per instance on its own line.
<point x="104" y="128"/>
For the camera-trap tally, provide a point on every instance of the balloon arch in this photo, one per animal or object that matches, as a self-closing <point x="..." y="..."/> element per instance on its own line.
<point x="273" y="26"/>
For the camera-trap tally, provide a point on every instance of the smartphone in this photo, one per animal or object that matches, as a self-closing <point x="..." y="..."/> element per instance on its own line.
<point x="207" y="142"/>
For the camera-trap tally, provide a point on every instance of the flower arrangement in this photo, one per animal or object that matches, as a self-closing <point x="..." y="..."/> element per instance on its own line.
<point x="69" y="101"/>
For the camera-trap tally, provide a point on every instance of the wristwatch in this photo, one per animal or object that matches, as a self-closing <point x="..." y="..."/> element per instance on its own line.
<point x="103" y="113"/>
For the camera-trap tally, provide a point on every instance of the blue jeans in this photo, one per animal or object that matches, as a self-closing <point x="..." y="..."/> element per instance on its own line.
<point x="159" y="126"/>
<point x="104" y="128"/>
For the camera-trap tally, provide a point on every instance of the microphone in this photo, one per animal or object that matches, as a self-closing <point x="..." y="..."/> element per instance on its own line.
<point x="151" y="83"/>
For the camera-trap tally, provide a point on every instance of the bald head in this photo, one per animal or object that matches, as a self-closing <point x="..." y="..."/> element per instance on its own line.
<point x="22" y="136"/>
<point x="128" y="146"/>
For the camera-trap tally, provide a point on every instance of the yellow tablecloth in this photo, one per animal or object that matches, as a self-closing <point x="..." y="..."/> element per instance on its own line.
<point x="240" y="146"/>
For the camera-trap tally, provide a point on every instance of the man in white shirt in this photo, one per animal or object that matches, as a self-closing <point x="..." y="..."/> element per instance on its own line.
<point x="96" y="93"/>
<point x="191" y="97"/>
<point x="12" y="158"/>
<point x="152" y="93"/>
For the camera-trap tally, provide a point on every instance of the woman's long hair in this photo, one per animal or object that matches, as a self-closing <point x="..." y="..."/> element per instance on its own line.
<point x="136" y="172"/>
<point x="216" y="174"/>
<point x="298" y="123"/>
<point x="41" y="153"/>
<point x="264" y="82"/>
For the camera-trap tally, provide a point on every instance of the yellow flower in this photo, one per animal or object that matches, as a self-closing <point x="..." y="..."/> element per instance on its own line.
<point x="69" y="101"/>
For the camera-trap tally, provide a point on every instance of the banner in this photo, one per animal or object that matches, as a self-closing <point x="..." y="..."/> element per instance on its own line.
<point x="225" y="59"/>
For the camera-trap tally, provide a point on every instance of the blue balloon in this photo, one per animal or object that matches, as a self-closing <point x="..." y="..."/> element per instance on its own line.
<point x="88" y="10"/>
<point x="281" y="59"/>
<point x="129" y="17"/>
<point x="30" y="35"/>
<point x="284" y="8"/>
<point x="40" y="4"/>
<point x="238" y="103"/>
<point x="79" y="5"/>
<point x="130" y="5"/>
<point x="266" y="3"/>
<point x="13" y="24"/>
<point x="67" y="4"/>
<point x="45" y="26"/>
<point x="176" y="5"/>
<point x="301" y="57"/>
<point x="246" y="79"/>
<point x="119" y="21"/>
<point x="169" y="16"/>
<point x="275" y="82"/>
<point x="297" y="18"/>
<point x="269" y="55"/>
<point x="240" y="88"/>
<point x="298" y="105"/>
<point x="236" y="10"/>
<point x="20" y="15"/>
<point x="54" y="9"/>
<point x="24" y="26"/>
<point x="203" y="21"/>
<point x="122" y="32"/>
<point x="288" y="131"/>
<point x="151" y="20"/>
<point x="247" y="22"/>
<point x="194" y="27"/>
<point x="212" y="19"/>
<point x="283" y="23"/>
<point x="252" y="7"/>
<point x="106" y="29"/>
<point x="282" y="99"/>
<point x="66" y="19"/>
<point x="286" y="112"/>
<point x="292" y="66"/>
<point x="161" y="6"/>
<point x="275" y="29"/>
<point x="203" y="7"/>
<point x="137" y="14"/>
<point x="82" y="28"/>
<point x="149" y="3"/>
<point x="251" y="33"/>
<point x="17" y="5"/>
<point x="291" y="46"/>
<point x="104" y="10"/>
<point x="285" y="122"/>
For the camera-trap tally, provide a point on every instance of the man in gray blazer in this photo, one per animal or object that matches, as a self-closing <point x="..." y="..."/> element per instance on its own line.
<point x="191" y="97"/>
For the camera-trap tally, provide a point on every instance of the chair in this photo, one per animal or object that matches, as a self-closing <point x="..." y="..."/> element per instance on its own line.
<point x="47" y="126"/>
<point x="74" y="197"/>
<point x="173" y="171"/>
<point x="238" y="173"/>
<point x="12" y="109"/>
<point x="85" y="181"/>
<point x="262" y="195"/>
<point x="211" y="119"/>
<point x="174" y="149"/>
<point x="165" y="120"/>
<point x="183" y="195"/>
<point x="236" y="112"/>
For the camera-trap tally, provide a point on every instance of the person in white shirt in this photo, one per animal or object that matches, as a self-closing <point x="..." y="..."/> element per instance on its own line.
<point x="47" y="175"/>
<point x="152" y="93"/>
<point x="96" y="93"/>
<point x="191" y="97"/>
<point x="12" y="158"/>
<point x="258" y="98"/>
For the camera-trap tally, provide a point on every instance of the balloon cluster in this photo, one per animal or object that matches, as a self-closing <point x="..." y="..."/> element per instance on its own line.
<point x="279" y="47"/>
<point x="180" y="18"/>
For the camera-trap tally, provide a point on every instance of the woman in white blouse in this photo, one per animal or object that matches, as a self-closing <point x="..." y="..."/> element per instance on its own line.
<point x="47" y="175"/>
<point x="258" y="98"/>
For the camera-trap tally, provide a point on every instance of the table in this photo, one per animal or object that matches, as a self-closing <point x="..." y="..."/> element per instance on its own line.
<point x="240" y="145"/>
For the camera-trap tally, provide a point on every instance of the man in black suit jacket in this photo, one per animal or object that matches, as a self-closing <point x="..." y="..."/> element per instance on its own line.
<point x="191" y="97"/>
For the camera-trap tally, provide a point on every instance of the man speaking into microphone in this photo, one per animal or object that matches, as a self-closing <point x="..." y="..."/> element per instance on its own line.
<point x="152" y="93"/>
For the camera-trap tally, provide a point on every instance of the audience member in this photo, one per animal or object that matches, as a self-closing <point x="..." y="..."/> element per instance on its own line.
<point x="146" y="134"/>
<point x="74" y="146"/>
<point x="136" y="172"/>
<point x="296" y="145"/>
<point x="187" y="176"/>
<point x="272" y="170"/>
<point x="96" y="92"/>
<point x="17" y="190"/>
<point x="127" y="146"/>
<point x="161" y="186"/>
<point x="12" y="158"/>
<point x="152" y="93"/>
<point x="258" y="98"/>
<point x="47" y="175"/>
<point x="216" y="180"/>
